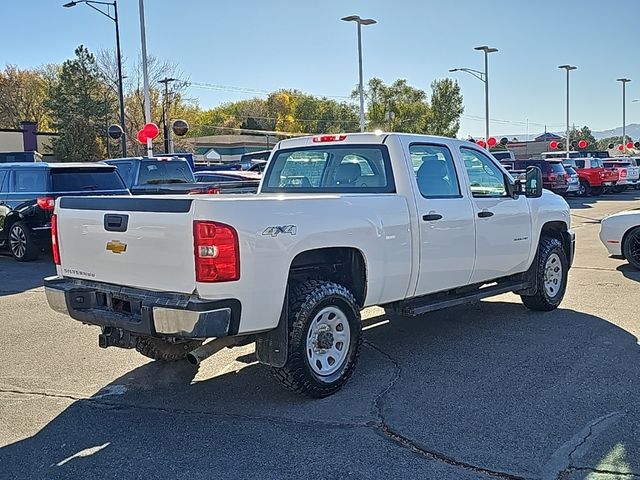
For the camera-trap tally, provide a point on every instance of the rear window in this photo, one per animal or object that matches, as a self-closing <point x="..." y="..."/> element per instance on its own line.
<point x="159" y="171"/>
<point x="334" y="169"/>
<point x="570" y="170"/>
<point x="85" y="179"/>
<point x="556" y="167"/>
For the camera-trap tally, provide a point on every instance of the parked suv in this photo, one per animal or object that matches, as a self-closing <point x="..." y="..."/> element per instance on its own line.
<point x="628" y="173"/>
<point x="594" y="178"/>
<point x="27" y="196"/>
<point x="554" y="176"/>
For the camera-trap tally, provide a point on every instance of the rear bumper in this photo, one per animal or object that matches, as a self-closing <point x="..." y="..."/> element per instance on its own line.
<point x="142" y="311"/>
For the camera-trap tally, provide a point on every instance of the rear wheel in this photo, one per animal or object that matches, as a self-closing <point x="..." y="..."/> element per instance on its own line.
<point x="324" y="339"/>
<point x="551" y="276"/>
<point x="21" y="243"/>
<point x="165" y="350"/>
<point x="584" y="189"/>
<point x="631" y="247"/>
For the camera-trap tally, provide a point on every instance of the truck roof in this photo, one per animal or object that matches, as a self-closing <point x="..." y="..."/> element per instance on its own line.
<point x="55" y="165"/>
<point x="362" y="138"/>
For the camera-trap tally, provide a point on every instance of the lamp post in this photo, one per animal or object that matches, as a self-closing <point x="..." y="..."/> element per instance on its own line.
<point x="624" y="82"/>
<point x="568" y="68"/>
<point x="483" y="77"/>
<point x="107" y="14"/>
<point x="360" y="22"/>
<point x="167" y="131"/>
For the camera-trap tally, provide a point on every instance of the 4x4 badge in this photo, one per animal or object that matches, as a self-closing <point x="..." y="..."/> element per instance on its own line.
<point x="116" y="246"/>
<point x="277" y="230"/>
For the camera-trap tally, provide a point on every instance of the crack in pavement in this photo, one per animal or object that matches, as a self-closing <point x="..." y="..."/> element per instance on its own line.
<point x="560" y="465"/>
<point x="565" y="475"/>
<point x="399" y="439"/>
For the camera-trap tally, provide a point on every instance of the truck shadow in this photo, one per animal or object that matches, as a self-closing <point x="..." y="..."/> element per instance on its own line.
<point x="489" y="384"/>
<point x="16" y="277"/>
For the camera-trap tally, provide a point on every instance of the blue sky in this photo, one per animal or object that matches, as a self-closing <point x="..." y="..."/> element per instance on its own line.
<point x="266" y="45"/>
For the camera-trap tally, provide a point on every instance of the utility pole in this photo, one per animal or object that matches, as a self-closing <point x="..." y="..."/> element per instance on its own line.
<point x="165" y="116"/>
<point x="624" y="82"/>
<point x="568" y="68"/>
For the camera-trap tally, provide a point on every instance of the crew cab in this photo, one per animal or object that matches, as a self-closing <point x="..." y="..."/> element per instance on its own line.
<point x="27" y="196"/>
<point x="628" y="174"/>
<point x="594" y="177"/>
<point x="413" y="223"/>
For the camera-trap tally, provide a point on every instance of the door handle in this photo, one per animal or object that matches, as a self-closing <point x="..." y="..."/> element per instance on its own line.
<point x="485" y="214"/>
<point x="431" y="217"/>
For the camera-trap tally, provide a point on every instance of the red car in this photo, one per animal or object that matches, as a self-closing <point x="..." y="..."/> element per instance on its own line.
<point x="594" y="178"/>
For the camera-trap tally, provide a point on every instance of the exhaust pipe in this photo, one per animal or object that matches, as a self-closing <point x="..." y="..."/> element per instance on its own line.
<point x="196" y="356"/>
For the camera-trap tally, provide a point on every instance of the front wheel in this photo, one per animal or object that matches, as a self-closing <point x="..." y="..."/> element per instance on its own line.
<point x="551" y="273"/>
<point x="631" y="247"/>
<point x="325" y="338"/>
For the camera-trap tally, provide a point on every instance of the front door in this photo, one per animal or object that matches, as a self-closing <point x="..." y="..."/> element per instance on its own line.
<point x="503" y="223"/>
<point x="445" y="217"/>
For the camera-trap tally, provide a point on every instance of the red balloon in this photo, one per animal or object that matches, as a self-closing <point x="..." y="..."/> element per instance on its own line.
<point x="582" y="144"/>
<point x="553" y="145"/>
<point x="151" y="130"/>
<point x="621" y="148"/>
<point x="142" y="137"/>
<point x="630" y="145"/>
<point x="492" y="141"/>
<point x="481" y="143"/>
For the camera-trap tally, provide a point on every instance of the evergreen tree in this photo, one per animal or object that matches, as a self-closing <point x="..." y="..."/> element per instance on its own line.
<point x="78" y="110"/>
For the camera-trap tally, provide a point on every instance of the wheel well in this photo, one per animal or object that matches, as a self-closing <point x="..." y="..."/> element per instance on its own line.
<point x="560" y="231"/>
<point x="343" y="265"/>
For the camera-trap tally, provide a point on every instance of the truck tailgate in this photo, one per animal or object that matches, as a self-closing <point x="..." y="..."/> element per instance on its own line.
<point x="137" y="242"/>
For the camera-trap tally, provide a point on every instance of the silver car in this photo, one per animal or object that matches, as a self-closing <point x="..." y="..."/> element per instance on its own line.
<point x="573" y="182"/>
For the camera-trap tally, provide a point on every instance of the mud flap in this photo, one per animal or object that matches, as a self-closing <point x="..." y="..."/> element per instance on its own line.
<point x="272" y="347"/>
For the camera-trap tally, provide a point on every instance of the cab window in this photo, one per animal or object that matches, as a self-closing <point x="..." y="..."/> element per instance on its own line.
<point x="486" y="179"/>
<point x="3" y="176"/>
<point x="434" y="171"/>
<point x="29" y="181"/>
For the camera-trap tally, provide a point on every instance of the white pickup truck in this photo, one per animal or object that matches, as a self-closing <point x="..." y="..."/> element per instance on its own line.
<point x="341" y="222"/>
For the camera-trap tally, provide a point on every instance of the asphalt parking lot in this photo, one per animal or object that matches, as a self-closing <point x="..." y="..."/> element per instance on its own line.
<point x="490" y="390"/>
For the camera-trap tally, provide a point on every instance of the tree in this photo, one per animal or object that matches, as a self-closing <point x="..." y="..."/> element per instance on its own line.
<point x="77" y="109"/>
<point x="446" y="108"/>
<point x="24" y="95"/>
<point x="398" y="107"/>
<point x="583" y="133"/>
<point x="603" y="143"/>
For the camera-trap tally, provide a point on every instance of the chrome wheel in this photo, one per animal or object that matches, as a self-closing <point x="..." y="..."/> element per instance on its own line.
<point x="328" y="341"/>
<point x="18" y="241"/>
<point x="553" y="275"/>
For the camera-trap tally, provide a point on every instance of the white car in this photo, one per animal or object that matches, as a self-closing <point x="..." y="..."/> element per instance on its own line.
<point x="413" y="223"/>
<point x="620" y="233"/>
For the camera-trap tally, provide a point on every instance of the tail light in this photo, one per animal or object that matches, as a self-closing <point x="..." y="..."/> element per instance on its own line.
<point x="217" y="252"/>
<point x="213" y="190"/>
<point x="623" y="172"/>
<point x="46" y="203"/>
<point x="552" y="177"/>
<point x="55" y="248"/>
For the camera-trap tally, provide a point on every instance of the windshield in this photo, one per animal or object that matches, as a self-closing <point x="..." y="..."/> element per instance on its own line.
<point x="162" y="171"/>
<point x="332" y="168"/>
<point x="85" y="179"/>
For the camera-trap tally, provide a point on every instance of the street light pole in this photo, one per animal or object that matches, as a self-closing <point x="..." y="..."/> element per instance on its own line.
<point x="145" y="76"/>
<point x="114" y="4"/>
<point x="568" y="68"/>
<point x="487" y="51"/>
<point x="624" y="82"/>
<point x="165" y="126"/>
<point x="360" y="22"/>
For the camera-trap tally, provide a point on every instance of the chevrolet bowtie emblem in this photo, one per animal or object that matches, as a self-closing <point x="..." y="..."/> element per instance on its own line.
<point x="116" y="247"/>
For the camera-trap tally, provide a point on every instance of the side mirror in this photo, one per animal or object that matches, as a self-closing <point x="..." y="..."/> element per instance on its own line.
<point x="531" y="186"/>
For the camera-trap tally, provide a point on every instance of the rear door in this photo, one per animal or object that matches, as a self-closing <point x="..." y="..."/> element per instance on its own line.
<point x="445" y="220"/>
<point x="502" y="222"/>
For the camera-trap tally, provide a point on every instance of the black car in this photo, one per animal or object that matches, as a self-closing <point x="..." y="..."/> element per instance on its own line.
<point x="554" y="175"/>
<point x="27" y="197"/>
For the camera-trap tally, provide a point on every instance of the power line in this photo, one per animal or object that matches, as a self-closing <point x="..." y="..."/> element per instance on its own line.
<point x="256" y="91"/>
